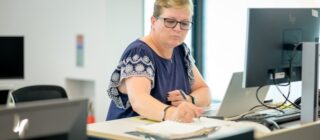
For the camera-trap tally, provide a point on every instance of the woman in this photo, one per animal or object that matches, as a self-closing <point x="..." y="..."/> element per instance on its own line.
<point x="156" y="77"/>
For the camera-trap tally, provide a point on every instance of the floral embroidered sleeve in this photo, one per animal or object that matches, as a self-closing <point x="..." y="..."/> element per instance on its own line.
<point x="133" y="63"/>
<point x="189" y="62"/>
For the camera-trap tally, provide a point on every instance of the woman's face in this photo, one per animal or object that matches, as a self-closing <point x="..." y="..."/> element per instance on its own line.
<point x="166" y="36"/>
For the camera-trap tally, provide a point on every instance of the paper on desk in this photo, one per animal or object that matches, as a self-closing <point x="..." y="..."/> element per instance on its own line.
<point x="177" y="130"/>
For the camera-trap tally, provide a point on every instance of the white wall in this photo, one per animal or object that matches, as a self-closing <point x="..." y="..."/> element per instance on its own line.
<point x="50" y="28"/>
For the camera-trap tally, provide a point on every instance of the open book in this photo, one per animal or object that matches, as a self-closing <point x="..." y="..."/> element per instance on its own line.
<point x="176" y="130"/>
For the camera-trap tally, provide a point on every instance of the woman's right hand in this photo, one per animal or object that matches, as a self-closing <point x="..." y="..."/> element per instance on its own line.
<point x="184" y="112"/>
<point x="176" y="97"/>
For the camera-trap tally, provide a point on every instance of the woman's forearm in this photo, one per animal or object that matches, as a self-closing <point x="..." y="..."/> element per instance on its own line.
<point x="147" y="106"/>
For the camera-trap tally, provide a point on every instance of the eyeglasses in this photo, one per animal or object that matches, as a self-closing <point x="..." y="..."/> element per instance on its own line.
<point x="172" y="23"/>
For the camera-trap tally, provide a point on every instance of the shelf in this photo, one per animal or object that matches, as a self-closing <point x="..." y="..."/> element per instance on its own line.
<point x="80" y="88"/>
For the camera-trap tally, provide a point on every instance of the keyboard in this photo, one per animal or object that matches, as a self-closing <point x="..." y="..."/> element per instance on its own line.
<point x="288" y="115"/>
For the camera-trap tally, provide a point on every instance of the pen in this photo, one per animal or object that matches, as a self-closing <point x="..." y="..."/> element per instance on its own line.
<point x="184" y="95"/>
<point x="214" y="117"/>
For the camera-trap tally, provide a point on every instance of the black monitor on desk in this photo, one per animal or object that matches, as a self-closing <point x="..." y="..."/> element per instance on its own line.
<point x="50" y="120"/>
<point x="282" y="46"/>
<point x="274" y="39"/>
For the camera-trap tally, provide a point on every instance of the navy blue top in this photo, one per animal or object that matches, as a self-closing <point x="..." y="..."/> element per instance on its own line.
<point x="165" y="75"/>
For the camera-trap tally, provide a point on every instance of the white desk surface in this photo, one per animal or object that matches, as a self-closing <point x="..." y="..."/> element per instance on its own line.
<point x="116" y="129"/>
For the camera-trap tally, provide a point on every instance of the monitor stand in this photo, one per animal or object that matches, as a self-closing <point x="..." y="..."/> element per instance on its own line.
<point x="309" y="95"/>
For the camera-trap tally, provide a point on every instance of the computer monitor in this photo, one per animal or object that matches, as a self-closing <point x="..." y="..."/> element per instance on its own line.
<point x="274" y="36"/>
<point x="4" y="93"/>
<point x="51" y="119"/>
<point x="11" y="57"/>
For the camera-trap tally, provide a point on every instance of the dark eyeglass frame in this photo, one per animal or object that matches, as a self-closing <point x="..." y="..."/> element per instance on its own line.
<point x="184" y="25"/>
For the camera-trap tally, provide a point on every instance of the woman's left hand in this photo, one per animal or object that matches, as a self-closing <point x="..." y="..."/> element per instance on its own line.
<point x="185" y="112"/>
<point x="176" y="97"/>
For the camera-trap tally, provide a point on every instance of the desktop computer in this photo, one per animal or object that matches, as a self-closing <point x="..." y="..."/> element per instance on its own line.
<point x="282" y="47"/>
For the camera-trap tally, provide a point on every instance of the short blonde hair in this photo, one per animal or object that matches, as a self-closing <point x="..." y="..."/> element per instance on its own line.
<point x="160" y="4"/>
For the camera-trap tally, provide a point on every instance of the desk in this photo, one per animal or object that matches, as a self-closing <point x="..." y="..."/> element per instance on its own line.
<point x="309" y="131"/>
<point x="116" y="129"/>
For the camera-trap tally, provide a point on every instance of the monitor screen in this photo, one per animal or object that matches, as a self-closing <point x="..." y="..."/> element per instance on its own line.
<point x="274" y="38"/>
<point x="11" y="57"/>
<point x="51" y="119"/>
<point x="4" y="96"/>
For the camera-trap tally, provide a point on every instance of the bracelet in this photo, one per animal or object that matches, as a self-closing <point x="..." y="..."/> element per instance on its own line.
<point x="192" y="100"/>
<point x="165" y="112"/>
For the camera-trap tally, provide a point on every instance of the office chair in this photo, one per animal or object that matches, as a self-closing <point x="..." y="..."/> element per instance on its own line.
<point x="38" y="92"/>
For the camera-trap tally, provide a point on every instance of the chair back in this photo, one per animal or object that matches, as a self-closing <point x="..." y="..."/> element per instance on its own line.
<point x="38" y="92"/>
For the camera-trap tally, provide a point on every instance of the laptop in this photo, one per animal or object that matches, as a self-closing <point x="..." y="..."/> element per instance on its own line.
<point x="60" y="119"/>
<point x="238" y="100"/>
